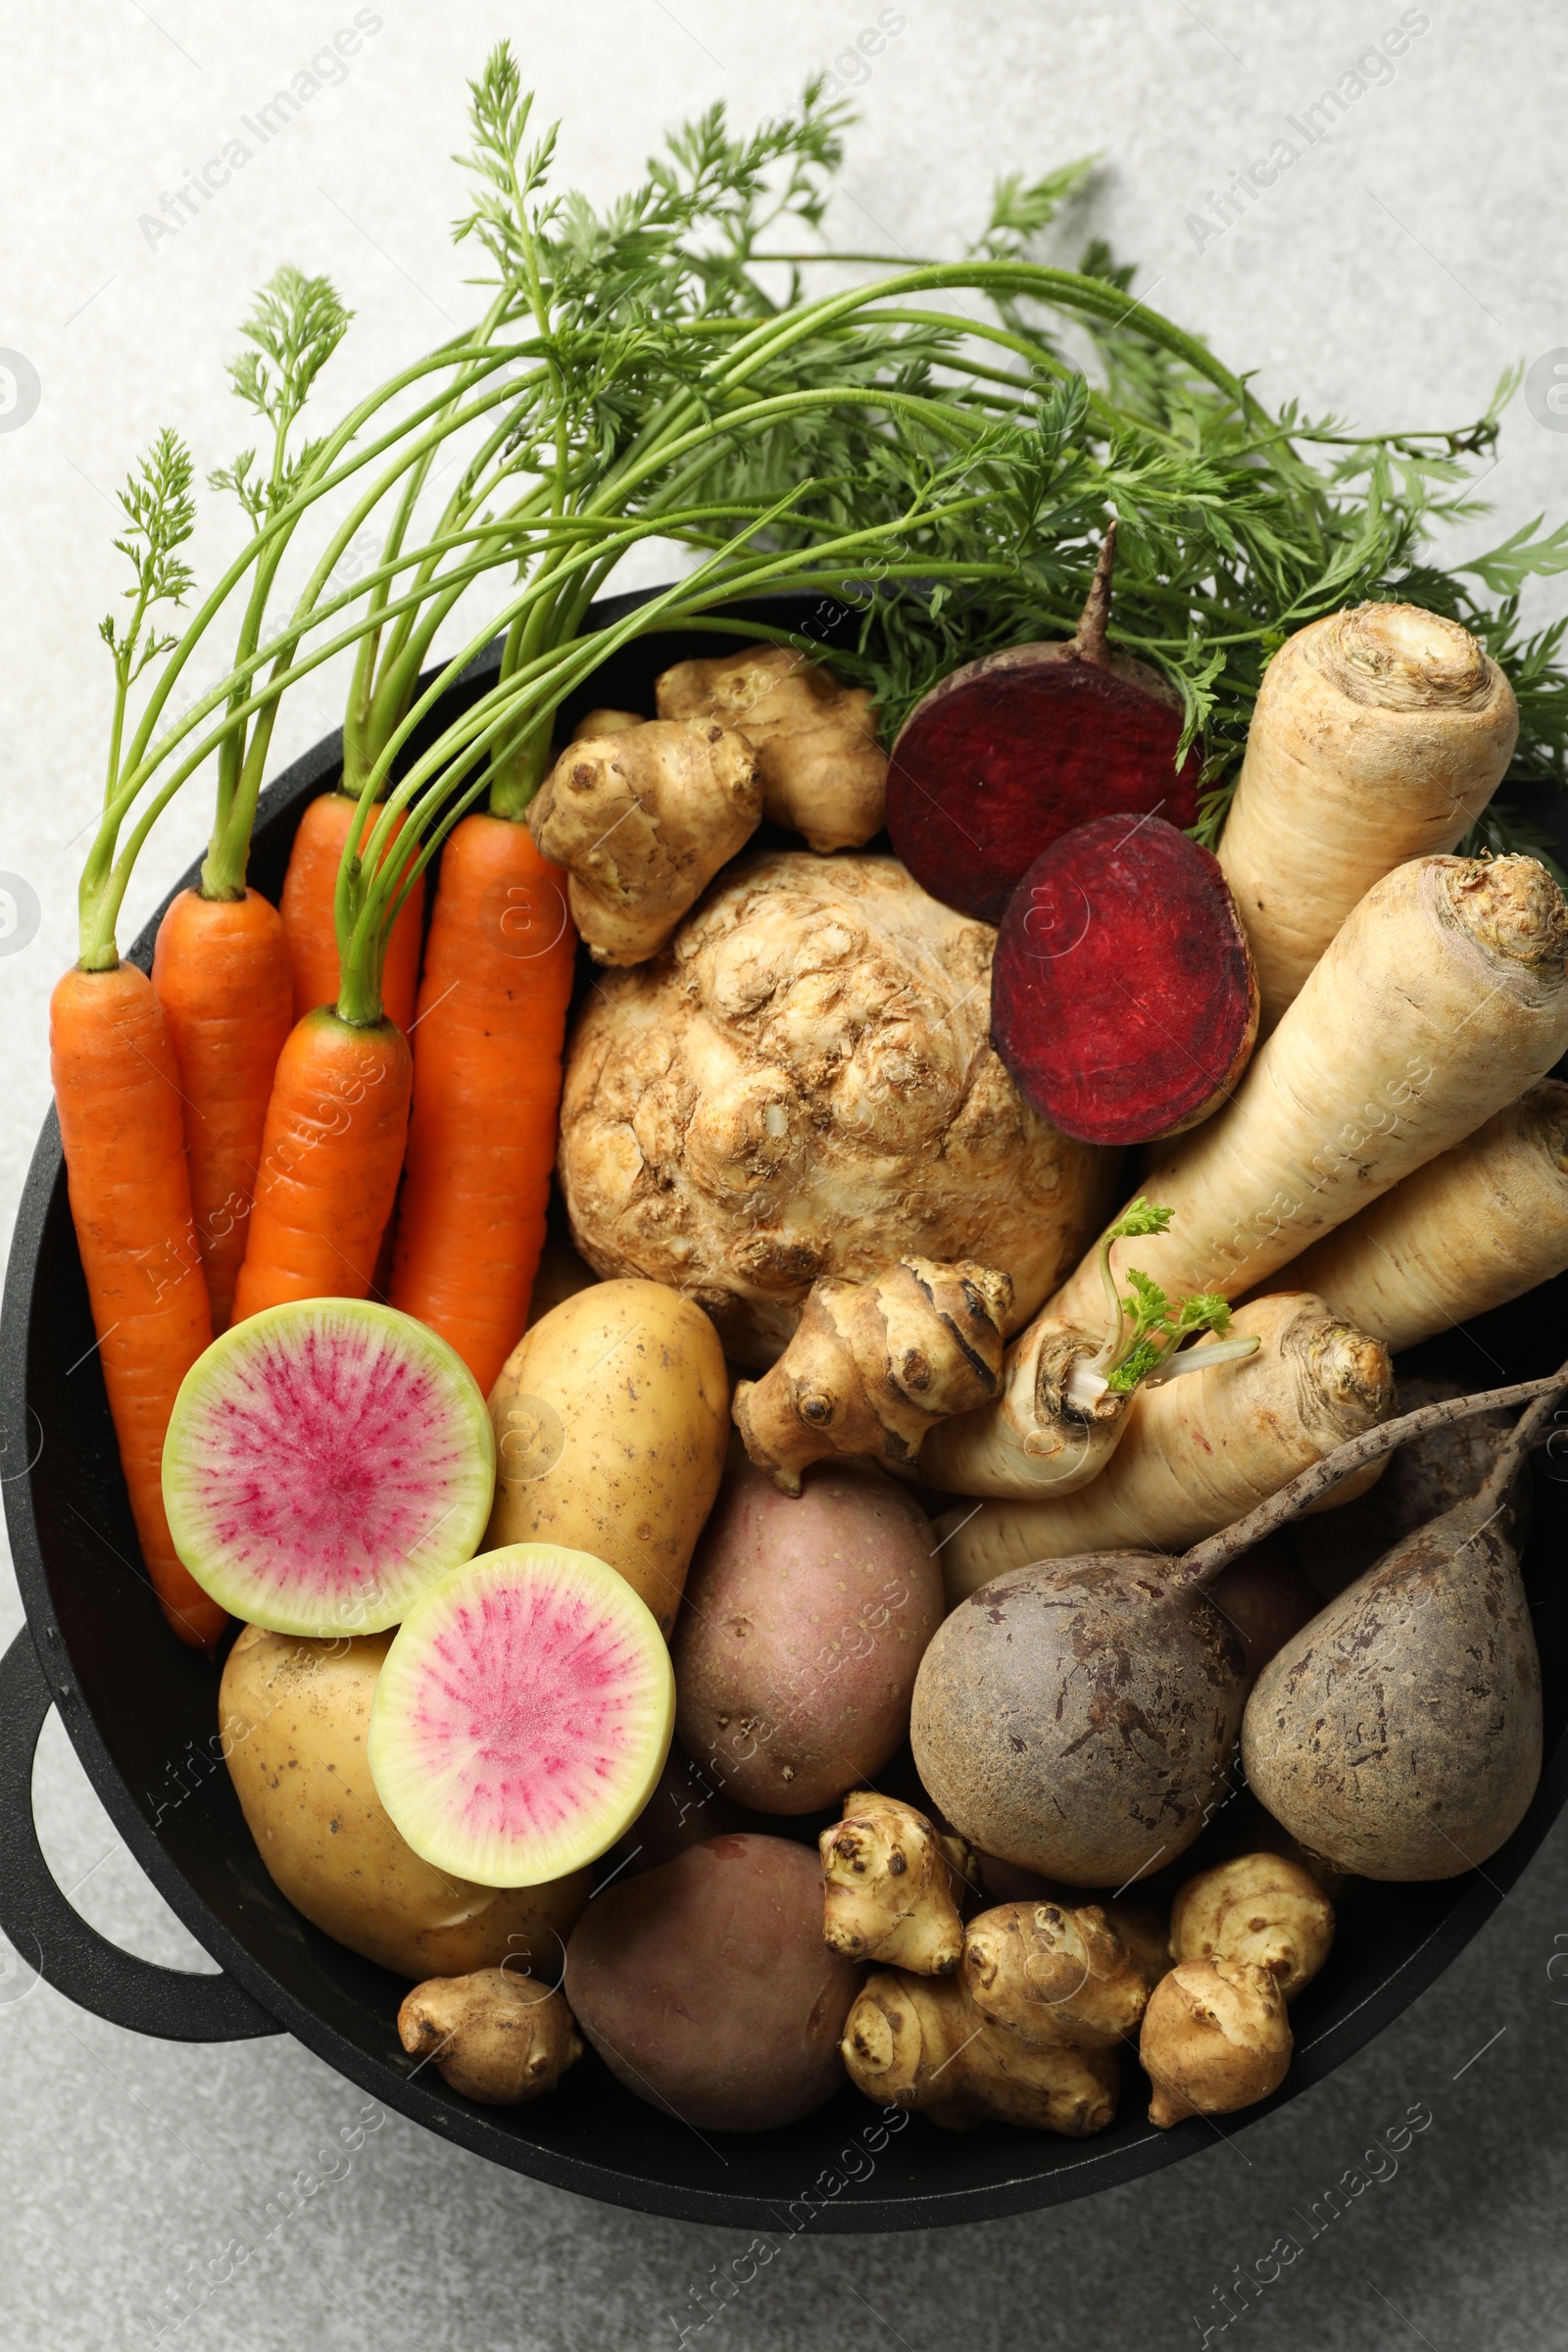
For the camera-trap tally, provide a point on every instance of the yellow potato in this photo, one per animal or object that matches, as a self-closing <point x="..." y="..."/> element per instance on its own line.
<point x="293" y="1715"/>
<point x="611" y="1419"/>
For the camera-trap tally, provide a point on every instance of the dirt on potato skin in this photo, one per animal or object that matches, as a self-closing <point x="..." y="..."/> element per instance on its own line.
<point x="1076" y="1718"/>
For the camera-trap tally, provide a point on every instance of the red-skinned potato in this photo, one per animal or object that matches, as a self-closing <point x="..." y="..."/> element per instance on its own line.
<point x="805" y="1624"/>
<point x="705" y="1988"/>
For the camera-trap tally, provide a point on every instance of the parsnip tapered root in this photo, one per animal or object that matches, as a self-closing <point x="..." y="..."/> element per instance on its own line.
<point x="1056" y="1975"/>
<point x="889" y="1888"/>
<point x="1442" y="1000"/>
<point x="1264" y="1908"/>
<point x="803" y="1086"/>
<point x="919" y="2042"/>
<point x="642" y="819"/>
<point x="1474" y="1228"/>
<point x="1028" y="1440"/>
<point x="823" y="772"/>
<point x="874" y="1364"/>
<point x="1379" y="735"/>
<point x="1198" y="1452"/>
<point x="495" y="2036"/>
<point x="1215" y="2037"/>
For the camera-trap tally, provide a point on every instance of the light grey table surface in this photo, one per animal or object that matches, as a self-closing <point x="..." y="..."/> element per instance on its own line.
<point x="1391" y="274"/>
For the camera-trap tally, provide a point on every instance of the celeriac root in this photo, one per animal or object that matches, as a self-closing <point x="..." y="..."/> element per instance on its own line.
<point x="1379" y="735"/>
<point x="919" y="2042"/>
<point x="1215" y="2037"/>
<point x="1481" y="1224"/>
<point x="891" y="1892"/>
<point x="1264" y="1908"/>
<point x="1056" y="1975"/>
<point x="804" y="1086"/>
<point x="1198" y="1452"/>
<point x="1441" y="999"/>
<point x="824" y="774"/>
<point x="642" y="818"/>
<point x="494" y="2035"/>
<point x="1028" y="1440"/>
<point x="874" y="1364"/>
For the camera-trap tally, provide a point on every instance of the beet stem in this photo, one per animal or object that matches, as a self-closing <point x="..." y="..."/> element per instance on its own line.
<point x="1089" y="642"/>
<point x="1205" y="1561"/>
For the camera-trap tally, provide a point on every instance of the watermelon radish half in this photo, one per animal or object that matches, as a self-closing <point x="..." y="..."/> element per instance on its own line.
<point x="523" y="1716"/>
<point x="326" y="1462"/>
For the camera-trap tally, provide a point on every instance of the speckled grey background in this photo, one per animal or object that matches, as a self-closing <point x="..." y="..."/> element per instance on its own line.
<point x="1389" y="275"/>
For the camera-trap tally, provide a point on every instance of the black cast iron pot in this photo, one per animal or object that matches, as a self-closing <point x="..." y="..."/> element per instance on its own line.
<point x="141" y="1712"/>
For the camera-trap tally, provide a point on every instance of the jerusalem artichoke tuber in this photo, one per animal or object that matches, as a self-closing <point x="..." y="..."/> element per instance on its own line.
<point x="871" y="1366"/>
<point x="823" y="772"/>
<point x="642" y="819"/>
<point x="1261" y="1907"/>
<point x="495" y="2036"/>
<point x="604" y="722"/>
<point x="890" y="1888"/>
<point x="1055" y="1975"/>
<point x="919" y="2042"/>
<point x="1215" y="2037"/>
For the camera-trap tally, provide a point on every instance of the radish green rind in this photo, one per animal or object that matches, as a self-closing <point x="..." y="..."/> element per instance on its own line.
<point x="523" y="1716"/>
<point x="327" y="1461"/>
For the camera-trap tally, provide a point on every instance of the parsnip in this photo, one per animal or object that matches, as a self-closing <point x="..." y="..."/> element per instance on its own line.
<point x="1442" y="999"/>
<point x="1062" y="1405"/>
<point x="1378" y="736"/>
<point x="1474" y="1228"/>
<point x="1028" y="1440"/>
<point x="1198" y="1453"/>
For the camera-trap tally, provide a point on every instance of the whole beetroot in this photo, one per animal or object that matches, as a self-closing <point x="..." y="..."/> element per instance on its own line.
<point x="705" y="1988"/>
<point x="805" y="1623"/>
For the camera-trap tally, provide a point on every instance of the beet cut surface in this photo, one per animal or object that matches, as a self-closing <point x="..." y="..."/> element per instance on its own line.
<point x="1012" y="750"/>
<point x="1122" y="994"/>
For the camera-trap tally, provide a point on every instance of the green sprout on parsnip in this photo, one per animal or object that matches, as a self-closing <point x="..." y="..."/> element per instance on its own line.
<point x="1145" y="1330"/>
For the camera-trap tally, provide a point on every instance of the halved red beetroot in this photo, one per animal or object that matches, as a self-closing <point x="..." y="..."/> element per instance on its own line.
<point x="1123" y="999"/>
<point x="1012" y="750"/>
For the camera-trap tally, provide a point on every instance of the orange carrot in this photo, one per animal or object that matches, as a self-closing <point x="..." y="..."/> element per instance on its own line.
<point x="492" y="1018"/>
<point x="331" y="1152"/>
<point x="116" y="1088"/>
<point x="307" y="909"/>
<point x="221" y="973"/>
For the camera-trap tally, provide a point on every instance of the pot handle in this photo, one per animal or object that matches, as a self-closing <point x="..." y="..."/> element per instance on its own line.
<point x="51" y="1936"/>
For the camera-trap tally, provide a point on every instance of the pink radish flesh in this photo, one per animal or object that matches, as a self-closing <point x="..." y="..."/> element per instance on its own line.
<point x="325" y="1461"/>
<point x="1122" y="997"/>
<point x="523" y="1714"/>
